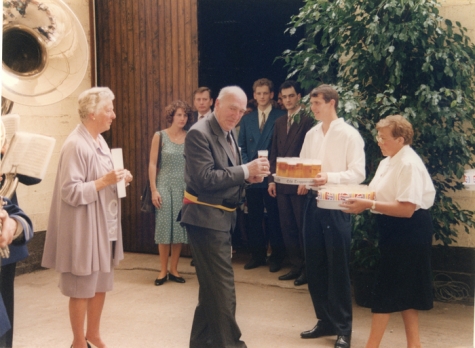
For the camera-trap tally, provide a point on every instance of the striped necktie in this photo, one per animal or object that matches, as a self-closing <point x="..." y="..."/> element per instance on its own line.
<point x="263" y="122"/>
<point x="231" y="145"/>
<point x="289" y="123"/>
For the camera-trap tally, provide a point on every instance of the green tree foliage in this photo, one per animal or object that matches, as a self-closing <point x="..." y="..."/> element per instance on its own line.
<point x="397" y="57"/>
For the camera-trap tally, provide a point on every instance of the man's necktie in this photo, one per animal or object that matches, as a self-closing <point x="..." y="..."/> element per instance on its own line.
<point x="231" y="145"/>
<point x="289" y="123"/>
<point x="263" y="122"/>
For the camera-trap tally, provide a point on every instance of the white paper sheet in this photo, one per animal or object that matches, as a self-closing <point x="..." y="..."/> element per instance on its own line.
<point x="118" y="162"/>
<point x="28" y="154"/>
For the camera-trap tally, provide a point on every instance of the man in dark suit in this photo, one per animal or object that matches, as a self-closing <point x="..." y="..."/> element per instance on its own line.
<point x="215" y="178"/>
<point x="202" y="102"/>
<point x="287" y="140"/>
<point x="256" y="134"/>
<point x="15" y="228"/>
<point x="18" y="252"/>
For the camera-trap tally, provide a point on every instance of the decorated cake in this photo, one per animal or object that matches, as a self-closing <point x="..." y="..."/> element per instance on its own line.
<point x="331" y="196"/>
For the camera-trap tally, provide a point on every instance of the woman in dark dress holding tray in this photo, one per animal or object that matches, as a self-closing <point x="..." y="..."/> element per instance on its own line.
<point x="404" y="193"/>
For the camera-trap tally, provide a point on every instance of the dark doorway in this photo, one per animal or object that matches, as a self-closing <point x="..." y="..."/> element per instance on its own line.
<point x="238" y="41"/>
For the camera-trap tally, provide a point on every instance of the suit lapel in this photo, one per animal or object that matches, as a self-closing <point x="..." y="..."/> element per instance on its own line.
<point x="238" y="150"/>
<point x="221" y="139"/>
<point x="293" y="131"/>
<point x="255" y="127"/>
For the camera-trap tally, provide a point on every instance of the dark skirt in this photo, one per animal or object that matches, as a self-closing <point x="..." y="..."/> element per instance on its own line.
<point x="404" y="278"/>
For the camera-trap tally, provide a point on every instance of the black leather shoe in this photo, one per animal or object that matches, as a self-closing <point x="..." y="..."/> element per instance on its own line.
<point x="160" y="281"/>
<point x="254" y="263"/>
<point x="343" y="341"/>
<point x="175" y="278"/>
<point x="192" y="263"/>
<point x="274" y="266"/>
<point x="320" y="330"/>
<point x="88" y="345"/>
<point x="289" y="276"/>
<point x="301" y="280"/>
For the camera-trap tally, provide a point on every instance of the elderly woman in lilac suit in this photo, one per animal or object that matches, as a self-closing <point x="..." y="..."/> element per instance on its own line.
<point x="84" y="236"/>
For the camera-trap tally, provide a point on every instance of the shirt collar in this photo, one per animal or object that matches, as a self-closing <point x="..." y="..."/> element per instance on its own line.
<point x="399" y="154"/>
<point x="336" y="122"/>
<point x="205" y="115"/>
<point x="267" y="110"/>
<point x="224" y="132"/>
<point x="295" y="113"/>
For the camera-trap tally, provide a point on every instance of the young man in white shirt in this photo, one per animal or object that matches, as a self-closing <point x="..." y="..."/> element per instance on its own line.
<point x="327" y="233"/>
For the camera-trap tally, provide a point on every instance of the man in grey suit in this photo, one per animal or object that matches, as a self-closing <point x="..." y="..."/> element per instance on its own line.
<point x="215" y="178"/>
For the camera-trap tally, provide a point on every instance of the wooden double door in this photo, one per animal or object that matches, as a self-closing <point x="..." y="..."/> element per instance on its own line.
<point x="151" y="52"/>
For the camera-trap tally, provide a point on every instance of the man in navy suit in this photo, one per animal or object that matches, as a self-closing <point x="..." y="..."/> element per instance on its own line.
<point x="255" y="134"/>
<point x="15" y="228"/>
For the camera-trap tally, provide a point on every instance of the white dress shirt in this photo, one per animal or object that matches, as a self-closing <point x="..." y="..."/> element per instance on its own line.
<point x="404" y="178"/>
<point x="200" y="117"/>
<point x="341" y="151"/>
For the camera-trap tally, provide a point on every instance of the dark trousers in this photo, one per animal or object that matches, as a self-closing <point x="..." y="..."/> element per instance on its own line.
<point x="258" y="237"/>
<point x="7" y="278"/>
<point x="291" y="208"/>
<point x="327" y="237"/>
<point x="214" y="322"/>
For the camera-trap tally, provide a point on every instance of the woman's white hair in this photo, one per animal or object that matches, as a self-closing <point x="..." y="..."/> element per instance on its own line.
<point x="91" y="100"/>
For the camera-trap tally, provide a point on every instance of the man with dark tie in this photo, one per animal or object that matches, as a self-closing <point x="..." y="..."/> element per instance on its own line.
<point x="255" y="134"/>
<point x="202" y="102"/>
<point x="287" y="140"/>
<point x="215" y="178"/>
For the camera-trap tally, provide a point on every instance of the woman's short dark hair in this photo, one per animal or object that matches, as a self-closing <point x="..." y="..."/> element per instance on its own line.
<point x="171" y="109"/>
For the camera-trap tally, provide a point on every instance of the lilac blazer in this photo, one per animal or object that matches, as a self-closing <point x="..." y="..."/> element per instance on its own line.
<point x="77" y="236"/>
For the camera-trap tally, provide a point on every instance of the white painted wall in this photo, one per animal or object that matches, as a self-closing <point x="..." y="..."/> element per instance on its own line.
<point x="56" y="120"/>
